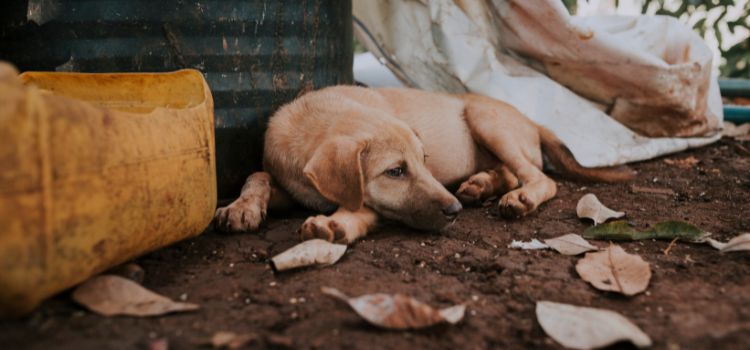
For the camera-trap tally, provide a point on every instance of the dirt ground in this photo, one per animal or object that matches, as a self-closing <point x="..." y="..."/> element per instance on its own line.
<point x="697" y="299"/>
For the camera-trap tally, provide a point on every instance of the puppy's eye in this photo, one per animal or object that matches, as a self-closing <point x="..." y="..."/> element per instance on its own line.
<point x="396" y="172"/>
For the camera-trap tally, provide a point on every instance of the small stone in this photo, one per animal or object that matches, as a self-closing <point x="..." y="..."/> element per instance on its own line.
<point x="183" y="296"/>
<point x="272" y="284"/>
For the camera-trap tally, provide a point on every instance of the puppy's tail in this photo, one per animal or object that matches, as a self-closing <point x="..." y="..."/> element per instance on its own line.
<point x="563" y="161"/>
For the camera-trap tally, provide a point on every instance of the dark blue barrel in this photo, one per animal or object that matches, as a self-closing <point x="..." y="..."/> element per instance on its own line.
<point x="255" y="54"/>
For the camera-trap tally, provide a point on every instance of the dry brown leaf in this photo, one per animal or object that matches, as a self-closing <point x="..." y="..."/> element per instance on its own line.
<point x="159" y="344"/>
<point x="739" y="243"/>
<point x="739" y="133"/>
<point x="398" y="311"/>
<point x="570" y="244"/>
<point x="312" y="252"/>
<point x="576" y="327"/>
<point x="533" y="244"/>
<point x="231" y="340"/>
<point x="615" y="270"/>
<point x="111" y="295"/>
<point x="591" y="208"/>
<point x="684" y="163"/>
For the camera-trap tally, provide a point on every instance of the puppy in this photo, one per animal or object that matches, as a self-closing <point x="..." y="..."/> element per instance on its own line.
<point x="362" y="154"/>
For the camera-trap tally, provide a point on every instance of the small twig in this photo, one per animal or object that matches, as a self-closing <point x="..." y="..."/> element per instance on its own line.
<point x="669" y="247"/>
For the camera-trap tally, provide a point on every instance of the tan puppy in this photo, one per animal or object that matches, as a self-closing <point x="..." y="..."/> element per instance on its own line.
<point x="365" y="153"/>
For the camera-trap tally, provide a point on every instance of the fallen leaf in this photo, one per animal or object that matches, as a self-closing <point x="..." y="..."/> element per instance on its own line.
<point x="530" y="245"/>
<point x="589" y="207"/>
<point x="739" y="133"/>
<point x="231" y="340"/>
<point x="398" y="311"/>
<point x="621" y="231"/>
<point x="739" y="243"/>
<point x="111" y="295"/>
<point x="312" y="252"/>
<point x="684" y="163"/>
<point x="615" y="270"/>
<point x="577" y="327"/>
<point x="570" y="244"/>
<point x="159" y="344"/>
<point x="716" y="244"/>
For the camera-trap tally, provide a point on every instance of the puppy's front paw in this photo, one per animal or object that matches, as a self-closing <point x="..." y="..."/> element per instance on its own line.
<point x="473" y="190"/>
<point x="515" y="204"/>
<point x="324" y="227"/>
<point x="241" y="216"/>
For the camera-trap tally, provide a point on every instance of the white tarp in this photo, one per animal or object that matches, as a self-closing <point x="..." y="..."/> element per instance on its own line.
<point x="650" y="73"/>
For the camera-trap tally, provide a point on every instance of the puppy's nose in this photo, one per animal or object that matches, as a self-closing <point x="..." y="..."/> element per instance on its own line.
<point x="452" y="210"/>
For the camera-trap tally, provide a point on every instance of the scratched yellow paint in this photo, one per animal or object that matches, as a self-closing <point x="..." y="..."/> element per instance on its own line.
<point x="96" y="169"/>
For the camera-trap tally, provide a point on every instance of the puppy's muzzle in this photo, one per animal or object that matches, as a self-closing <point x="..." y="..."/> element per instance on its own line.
<point x="452" y="210"/>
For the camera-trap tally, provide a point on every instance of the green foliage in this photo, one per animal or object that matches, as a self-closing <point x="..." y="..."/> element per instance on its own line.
<point x="736" y="58"/>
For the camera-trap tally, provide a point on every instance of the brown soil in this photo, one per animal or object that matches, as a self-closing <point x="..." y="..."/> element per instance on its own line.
<point x="697" y="299"/>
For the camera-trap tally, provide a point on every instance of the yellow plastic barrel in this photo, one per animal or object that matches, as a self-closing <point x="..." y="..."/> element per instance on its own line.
<point x="96" y="169"/>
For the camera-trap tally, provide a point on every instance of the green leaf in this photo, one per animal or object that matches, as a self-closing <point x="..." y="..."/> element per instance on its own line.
<point x="677" y="229"/>
<point x="618" y="230"/>
<point x="622" y="231"/>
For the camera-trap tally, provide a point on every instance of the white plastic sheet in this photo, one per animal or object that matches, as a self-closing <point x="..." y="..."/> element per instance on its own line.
<point x="566" y="73"/>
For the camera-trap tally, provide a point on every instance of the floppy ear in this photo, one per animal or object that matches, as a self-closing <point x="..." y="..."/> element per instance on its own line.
<point x="335" y="170"/>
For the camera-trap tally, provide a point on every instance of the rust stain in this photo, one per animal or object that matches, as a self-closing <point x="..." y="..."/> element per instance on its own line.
<point x="586" y="36"/>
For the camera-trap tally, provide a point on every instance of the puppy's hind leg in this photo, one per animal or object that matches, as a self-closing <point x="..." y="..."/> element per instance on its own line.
<point x="249" y="210"/>
<point x="486" y="184"/>
<point x="343" y="226"/>
<point x="515" y="141"/>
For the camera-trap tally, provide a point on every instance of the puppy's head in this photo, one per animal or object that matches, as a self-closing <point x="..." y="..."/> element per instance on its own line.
<point x="385" y="171"/>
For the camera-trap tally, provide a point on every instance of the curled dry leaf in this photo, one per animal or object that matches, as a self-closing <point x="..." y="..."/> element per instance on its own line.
<point x="570" y="244"/>
<point x="739" y="133"/>
<point x="622" y="231"/>
<point x="578" y="327"/>
<point x="398" y="311"/>
<point x="589" y="207"/>
<point x="312" y="252"/>
<point x="739" y="243"/>
<point x="530" y="245"/>
<point x="684" y="163"/>
<point x="159" y="344"/>
<point x="615" y="270"/>
<point x="231" y="340"/>
<point x="111" y="295"/>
